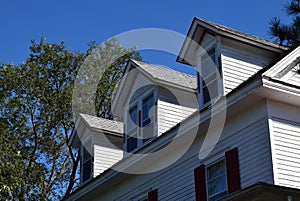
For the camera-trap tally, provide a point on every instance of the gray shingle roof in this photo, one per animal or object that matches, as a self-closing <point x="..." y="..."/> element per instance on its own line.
<point x="241" y="34"/>
<point x="169" y="75"/>
<point x="103" y="124"/>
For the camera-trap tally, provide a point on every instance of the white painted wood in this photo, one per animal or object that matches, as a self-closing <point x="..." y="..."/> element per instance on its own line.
<point x="286" y="152"/>
<point x="171" y="114"/>
<point x="248" y="131"/>
<point x="104" y="158"/>
<point x="139" y="82"/>
<point x="238" y="66"/>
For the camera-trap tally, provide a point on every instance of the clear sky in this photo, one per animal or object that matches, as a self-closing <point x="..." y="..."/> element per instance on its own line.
<point x="79" y="22"/>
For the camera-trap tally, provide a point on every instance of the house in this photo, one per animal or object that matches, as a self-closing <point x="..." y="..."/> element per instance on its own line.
<point x="230" y="133"/>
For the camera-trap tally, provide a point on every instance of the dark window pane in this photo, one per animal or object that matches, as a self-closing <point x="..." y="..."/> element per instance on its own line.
<point x="206" y="97"/>
<point x="148" y="103"/>
<point x="87" y="170"/>
<point x="216" y="170"/>
<point x="216" y="185"/>
<point x="131" y="143"/>
<point x="132" y="121"/>
<point x="209" y="76"/>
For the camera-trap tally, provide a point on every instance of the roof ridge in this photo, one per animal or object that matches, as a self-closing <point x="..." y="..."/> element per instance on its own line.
<point x="93" y="116"/>
<point x="161" y="67"/>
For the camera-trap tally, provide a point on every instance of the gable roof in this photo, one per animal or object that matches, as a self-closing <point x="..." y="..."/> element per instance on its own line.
<point x="221" y="29"/>
<point x="199" y="26"/>
<point x="97" y="123"/>
<point x="155" y="74"/>
<point x="94" y="123"/>
<point x="168" y="75"/>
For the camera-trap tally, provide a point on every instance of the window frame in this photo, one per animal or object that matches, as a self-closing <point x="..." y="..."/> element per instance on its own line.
<point x="83" y="150"/>
<point x="129" y="134"/>
<point x="151" y="117"/>
<point x="213" y="44"/>
<point x="138" y="102"/>
<point x="207" y="180"/>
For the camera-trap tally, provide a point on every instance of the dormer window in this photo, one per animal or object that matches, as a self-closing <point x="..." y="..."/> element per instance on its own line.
<point x="140" y="122"/>
<point x="132" y="128"/>
<point x="209" y="77"/>
<point x="147" y="118"/>
<point x="86" y="162"/>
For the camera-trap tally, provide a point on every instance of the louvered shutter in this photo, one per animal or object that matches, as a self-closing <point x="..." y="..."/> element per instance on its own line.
<point x="233" y="170"/>
<point x="153" y="195"/>
<point x="200" y="183"/>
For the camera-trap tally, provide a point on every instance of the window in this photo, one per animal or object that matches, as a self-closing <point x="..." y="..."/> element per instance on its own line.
<point x="209" y="77"/>
<point x="140" y="122"/>
<point x="132" y="127"/>
<point x="216" y="181"/>
<point x="147" y="115"/>
<point x="87" y="162"/>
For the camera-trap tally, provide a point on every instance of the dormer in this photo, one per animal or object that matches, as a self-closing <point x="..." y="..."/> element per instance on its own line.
<point x="100" y="144"/>
<point x="224" y="58"/>
<point x="147" y="100"/>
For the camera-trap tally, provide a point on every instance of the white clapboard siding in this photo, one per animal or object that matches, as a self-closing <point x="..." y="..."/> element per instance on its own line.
<point x="238" y="66"/>
<point x="177" y="181"/>
<point x="286" y="152"/>
<point x="170" y="114"/>
<point x="254" y="163"/>
<point x="104" y="158"/>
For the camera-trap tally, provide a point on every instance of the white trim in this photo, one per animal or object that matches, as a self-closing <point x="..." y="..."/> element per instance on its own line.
<point x="283" y="63"/>
<point x="206" y="173"/>
<point x="138" y="102"/>
<point x="212" y="44"/>
<point x="272" y="149"/>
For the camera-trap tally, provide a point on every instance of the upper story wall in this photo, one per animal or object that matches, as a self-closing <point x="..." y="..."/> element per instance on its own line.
<point x="241" y="61"/>
<point x="247" y="131"/>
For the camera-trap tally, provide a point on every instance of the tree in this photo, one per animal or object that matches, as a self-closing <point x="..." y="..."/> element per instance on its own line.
<point x="287" y="34"/>
<point x="36" y="119"/>
<point x="100" y="73"/>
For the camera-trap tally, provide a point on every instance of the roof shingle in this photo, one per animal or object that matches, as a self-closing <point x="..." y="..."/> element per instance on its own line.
<point x="169" y="75"/>
<point x="103" y="124"/>
<point x="242" y="34"/>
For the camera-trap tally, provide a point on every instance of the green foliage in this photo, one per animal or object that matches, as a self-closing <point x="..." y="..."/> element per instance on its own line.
<point x="99" y="75"/>
<point x="36" y="118"/>
<point x="287" y="34"/>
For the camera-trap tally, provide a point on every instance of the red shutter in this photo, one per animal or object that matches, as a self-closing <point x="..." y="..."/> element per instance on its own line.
<point x="152" y="195"/>
<point x="200" y="183"/>
<point x="233" y="170"/>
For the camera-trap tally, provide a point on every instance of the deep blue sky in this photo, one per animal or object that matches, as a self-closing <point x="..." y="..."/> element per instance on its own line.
<point x="79" y="22"/>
